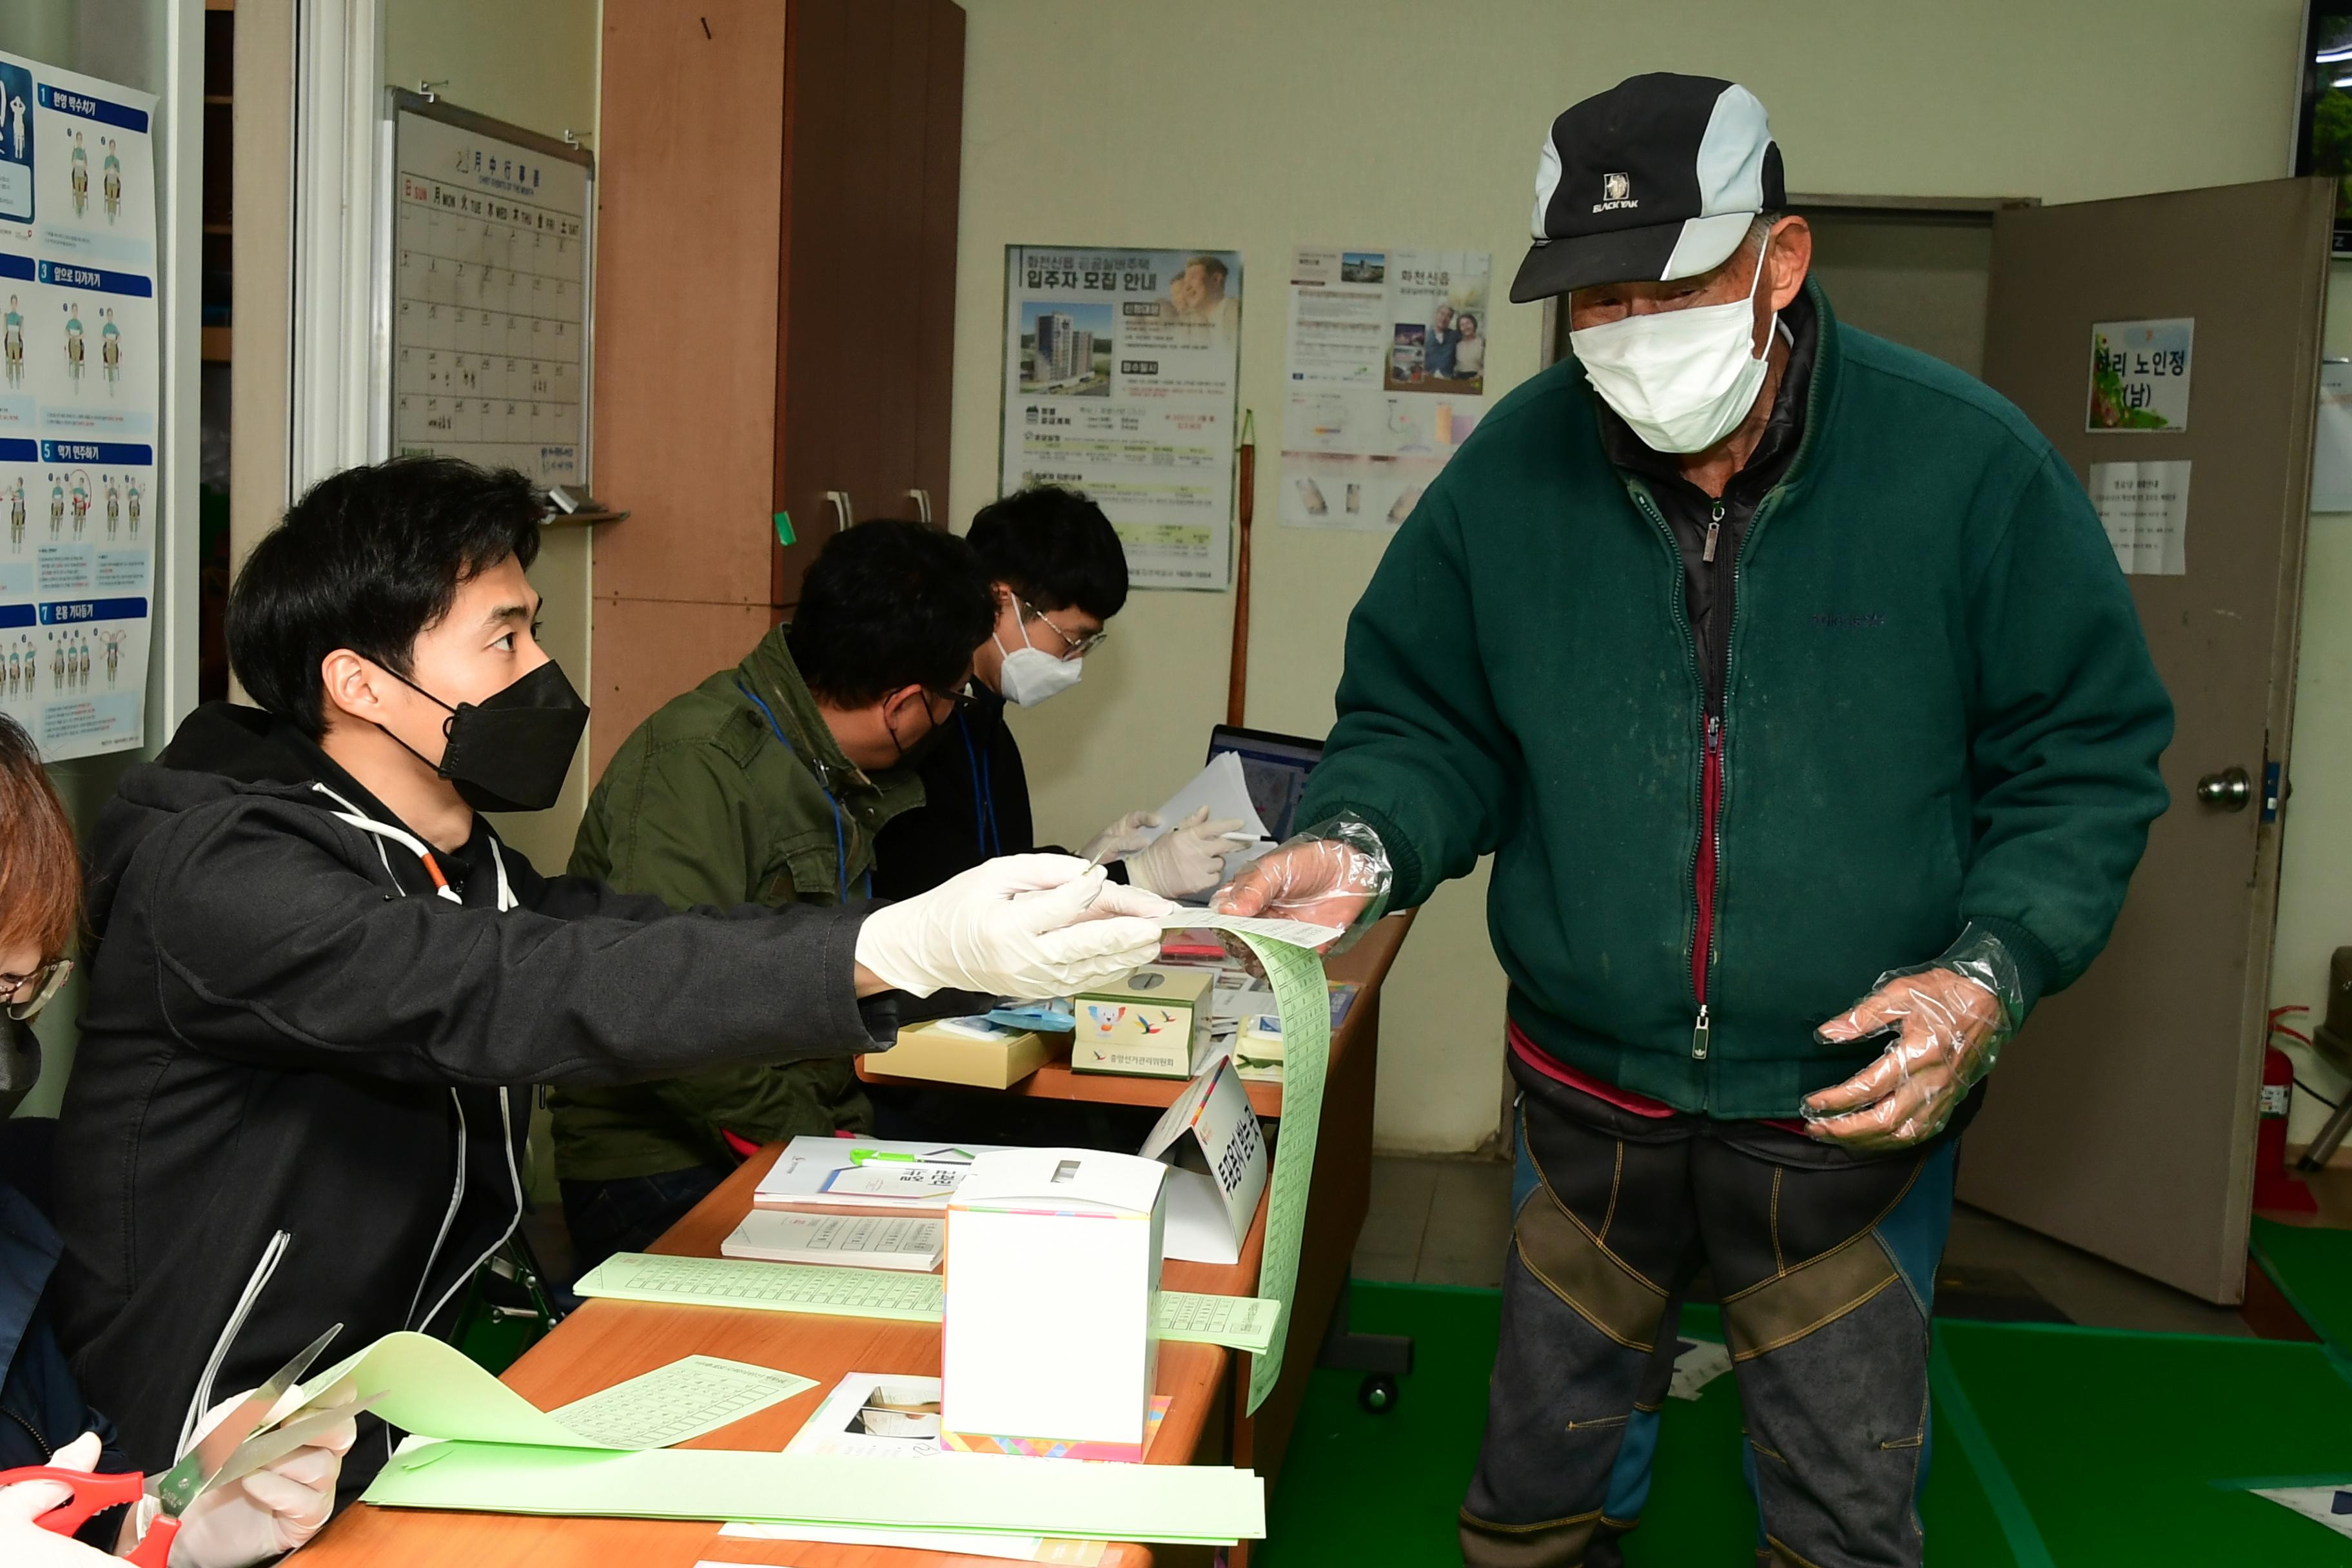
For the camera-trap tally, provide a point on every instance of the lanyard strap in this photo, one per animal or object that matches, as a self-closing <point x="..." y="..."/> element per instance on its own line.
<point x="840" y="836"/>
<point x="984" y="795"/>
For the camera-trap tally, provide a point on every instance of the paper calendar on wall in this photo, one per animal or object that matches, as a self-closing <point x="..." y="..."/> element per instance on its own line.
<point x="485" y="302"/>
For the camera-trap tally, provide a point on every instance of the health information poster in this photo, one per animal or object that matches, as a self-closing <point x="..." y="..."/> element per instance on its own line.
<point x="1120" y="381"/>
<point x="78" y="406"/>
<point x="1388" y="376"/>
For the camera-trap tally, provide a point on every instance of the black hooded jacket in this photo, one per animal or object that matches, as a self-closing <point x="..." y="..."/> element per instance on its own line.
<point x="297" y="1100"/>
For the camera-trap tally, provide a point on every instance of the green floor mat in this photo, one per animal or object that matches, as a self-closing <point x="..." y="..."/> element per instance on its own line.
<point x="2313" y="1270"/>
<point x="2053" y="1448"/>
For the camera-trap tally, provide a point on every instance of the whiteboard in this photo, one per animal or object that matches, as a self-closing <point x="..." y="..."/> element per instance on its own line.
<point x="483" y="295"/>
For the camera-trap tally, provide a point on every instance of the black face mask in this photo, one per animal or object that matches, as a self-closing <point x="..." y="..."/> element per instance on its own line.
<point x="911" y="756"/>
<point x="512" y="751"/>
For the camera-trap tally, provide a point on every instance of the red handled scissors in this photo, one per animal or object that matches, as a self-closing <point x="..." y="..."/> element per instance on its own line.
<point x="228" y="1452"/>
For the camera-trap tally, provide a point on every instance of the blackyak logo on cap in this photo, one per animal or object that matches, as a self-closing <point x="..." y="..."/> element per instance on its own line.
<point x="1616" y="191"/>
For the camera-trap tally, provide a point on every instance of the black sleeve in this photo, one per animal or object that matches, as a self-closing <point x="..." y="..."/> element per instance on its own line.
<point x="272" y="949"/>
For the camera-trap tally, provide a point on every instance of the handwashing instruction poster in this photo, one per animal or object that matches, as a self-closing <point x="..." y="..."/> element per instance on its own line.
<point x="1120" y="376"/>
<point x="1388" y="376"/>
<point x="78" y="406"/>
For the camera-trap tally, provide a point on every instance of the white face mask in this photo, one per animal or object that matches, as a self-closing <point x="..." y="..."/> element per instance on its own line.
<point x="1683" y="379"/>
<point x="1030" y="674"/>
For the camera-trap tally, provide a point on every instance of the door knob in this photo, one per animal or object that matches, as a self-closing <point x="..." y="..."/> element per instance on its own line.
<point x="2230" y="789"/>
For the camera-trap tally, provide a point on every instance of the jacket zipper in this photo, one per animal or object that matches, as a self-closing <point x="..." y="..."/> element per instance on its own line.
<point x="1710" y="786"/>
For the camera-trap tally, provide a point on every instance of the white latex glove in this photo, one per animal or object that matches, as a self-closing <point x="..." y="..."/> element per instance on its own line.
<point x="1121" y="838"/>
<point x="1025" y="926"/>
<point x="267" y="1513"/>
<point x="1190" y="857"/>
<point x="25" y="1545"/>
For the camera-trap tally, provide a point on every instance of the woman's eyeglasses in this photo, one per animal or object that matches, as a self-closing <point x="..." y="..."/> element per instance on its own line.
<point x="43" y="983"/>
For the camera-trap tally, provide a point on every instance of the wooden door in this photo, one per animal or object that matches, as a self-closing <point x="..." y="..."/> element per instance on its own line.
<point x="873" y="156"/>
<point x="2122" y="1118"/>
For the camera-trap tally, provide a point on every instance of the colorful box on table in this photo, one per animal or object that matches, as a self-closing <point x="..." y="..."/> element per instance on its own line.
<point x="1153" y="1024"/>
<point x="1051" y="1338"/>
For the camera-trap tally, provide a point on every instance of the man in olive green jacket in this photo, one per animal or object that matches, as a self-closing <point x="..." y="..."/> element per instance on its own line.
<point x="767" y="783"/>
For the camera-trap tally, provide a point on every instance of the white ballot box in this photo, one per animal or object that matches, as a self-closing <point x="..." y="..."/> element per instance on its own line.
<point x="1053" y="1275"/>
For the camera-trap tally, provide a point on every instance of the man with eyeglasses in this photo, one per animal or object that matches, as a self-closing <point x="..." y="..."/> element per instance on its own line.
<point x="768" y="784"/>
<point x="1058" y="575"/>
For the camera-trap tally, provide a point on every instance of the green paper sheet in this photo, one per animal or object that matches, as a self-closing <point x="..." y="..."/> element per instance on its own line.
<point x="1303" y="998"/>
<point x="983" y="1494"/>
<point x="671" y="1403"/>
<point x="1241" y="1322"/>
<point x="420" y="1385"/>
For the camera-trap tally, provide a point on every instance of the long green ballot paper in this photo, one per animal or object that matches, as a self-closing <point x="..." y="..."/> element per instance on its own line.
<point x="1242" y="1322"/>
<point x="980" y="1494"/>
<point x="1302" y="997"/>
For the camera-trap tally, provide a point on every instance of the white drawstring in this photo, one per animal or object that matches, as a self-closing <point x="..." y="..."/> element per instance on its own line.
<point x="416" y="845"/>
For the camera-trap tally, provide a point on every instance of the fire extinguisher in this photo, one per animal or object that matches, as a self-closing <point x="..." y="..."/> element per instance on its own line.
<point x="2273" y="1188"/>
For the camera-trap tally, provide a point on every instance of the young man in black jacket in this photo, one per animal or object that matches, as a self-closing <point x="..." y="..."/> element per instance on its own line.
<point x="317" y="977"/>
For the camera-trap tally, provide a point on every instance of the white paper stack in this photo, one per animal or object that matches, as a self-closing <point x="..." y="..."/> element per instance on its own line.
<point x="879" y="1241"/>
<point x="825" y="1174"/>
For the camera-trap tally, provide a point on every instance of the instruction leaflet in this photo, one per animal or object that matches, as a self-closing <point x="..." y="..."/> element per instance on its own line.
<point x="81" y="401"/>
<point x="1388" y="377"/>
<point x="1120" y="380"/>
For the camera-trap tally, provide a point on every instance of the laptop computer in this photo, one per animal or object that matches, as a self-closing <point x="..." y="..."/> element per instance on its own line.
<point x="1274" y="766"/>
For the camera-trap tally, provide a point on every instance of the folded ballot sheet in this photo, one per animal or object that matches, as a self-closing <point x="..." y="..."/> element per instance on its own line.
<point x="488" y="1449"/>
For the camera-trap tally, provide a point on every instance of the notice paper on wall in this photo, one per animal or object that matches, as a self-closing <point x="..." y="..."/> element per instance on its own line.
<point x="2331" y="446"/>
<point x="81" y="406"/>
<point x="1387" y="374"/>
<point x="1120" y="380"/>
<point x="2140" y="374"/>
<point x="2145" y="509"/>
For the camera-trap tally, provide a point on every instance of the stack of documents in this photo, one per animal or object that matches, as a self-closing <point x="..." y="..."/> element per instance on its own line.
<point x="837" y="1174"/>
<point x="880" y="1241"/>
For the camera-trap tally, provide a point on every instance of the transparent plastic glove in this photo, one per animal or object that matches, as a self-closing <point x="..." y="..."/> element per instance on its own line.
<point x="1023" y="926"/>
<point x="1190" y="857"/>
<point x="22" y="1542"/>
<point x="266" y="1514"/>
<point x="1121" y="838"/>
<point x="1951" y="1018"/>
<point x="1335" y="873"/>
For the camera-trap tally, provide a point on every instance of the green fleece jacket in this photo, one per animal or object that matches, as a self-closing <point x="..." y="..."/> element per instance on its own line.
<point x="1939" y="711"/>
<point x="705" y="805"/>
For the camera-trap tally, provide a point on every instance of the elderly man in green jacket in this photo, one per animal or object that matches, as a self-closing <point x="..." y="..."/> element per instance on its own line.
<point x="766" y="784"/>
<point x="1776" y="665"/>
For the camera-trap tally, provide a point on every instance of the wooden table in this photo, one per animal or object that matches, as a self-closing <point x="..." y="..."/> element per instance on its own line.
<point x="1337" y="1198"/>
<point x="606" y="1341"/>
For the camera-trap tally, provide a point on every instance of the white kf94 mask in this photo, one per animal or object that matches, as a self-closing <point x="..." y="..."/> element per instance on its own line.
<point x="1683" y="379"/>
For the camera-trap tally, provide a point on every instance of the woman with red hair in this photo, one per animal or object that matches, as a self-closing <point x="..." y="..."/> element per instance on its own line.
<point x="43" y="1420"/>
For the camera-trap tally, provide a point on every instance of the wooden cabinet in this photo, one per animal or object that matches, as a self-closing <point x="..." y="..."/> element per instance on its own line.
<point x="774" y="311"/>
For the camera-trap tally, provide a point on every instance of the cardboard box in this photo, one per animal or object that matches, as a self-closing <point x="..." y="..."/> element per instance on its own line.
<point x="944" y="1055"/>
<point x="1053" y="1271"/>
<point x="1153" y="1024"/>
<point x="1258" y="1049"/>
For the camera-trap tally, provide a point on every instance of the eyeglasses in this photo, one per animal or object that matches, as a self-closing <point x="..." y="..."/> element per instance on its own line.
<point x="1077" y="646"/>
<point x="44" y="982"/>
<point x="959" y="699"/>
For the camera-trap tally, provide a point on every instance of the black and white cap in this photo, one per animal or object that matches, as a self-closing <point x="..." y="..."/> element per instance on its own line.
<point x="1658" y="178"/>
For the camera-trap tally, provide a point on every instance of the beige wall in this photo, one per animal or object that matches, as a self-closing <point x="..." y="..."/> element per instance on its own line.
<point x="2315" y="913"/>
<point x="1259" y="126"/>
<point x="534" y="63"/>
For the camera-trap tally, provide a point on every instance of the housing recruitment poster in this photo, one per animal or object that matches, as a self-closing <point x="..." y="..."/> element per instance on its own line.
<point x="1388" y="375"/>
<point x="78" y="406"/>
<point x="1120" y="381"/>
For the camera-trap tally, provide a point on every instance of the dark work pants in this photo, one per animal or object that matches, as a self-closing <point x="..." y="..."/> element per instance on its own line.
<point x="1825" y="1266"/>
<point x="629" y="1214"/>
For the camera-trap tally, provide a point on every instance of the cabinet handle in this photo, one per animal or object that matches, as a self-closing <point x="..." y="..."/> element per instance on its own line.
<point x="844" y="514"/>
<point x="922" y="505"/>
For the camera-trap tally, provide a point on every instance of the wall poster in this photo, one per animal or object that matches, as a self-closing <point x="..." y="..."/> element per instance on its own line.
<point x="79" y="407"/>
<point x="1388" y="375"/>
<point x="1120" y="380"/>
